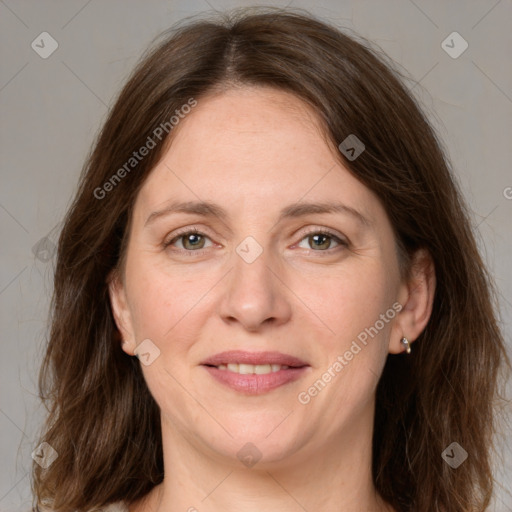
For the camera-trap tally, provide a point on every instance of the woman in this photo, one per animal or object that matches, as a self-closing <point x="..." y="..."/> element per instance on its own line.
<point x="267" y="293"/>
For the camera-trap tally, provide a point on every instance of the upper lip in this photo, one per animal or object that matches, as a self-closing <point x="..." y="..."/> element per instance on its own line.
<point x="241" y="356"/>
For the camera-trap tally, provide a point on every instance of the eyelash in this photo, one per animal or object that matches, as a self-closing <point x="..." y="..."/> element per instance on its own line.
<point x="195" y="231"/>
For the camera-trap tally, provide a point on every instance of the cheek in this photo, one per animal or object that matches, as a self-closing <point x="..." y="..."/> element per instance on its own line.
<point x="356" y="306"/>
<point x="348" y="300"/>
<point x="160" y="302"/>
<point x="170" y="309"/>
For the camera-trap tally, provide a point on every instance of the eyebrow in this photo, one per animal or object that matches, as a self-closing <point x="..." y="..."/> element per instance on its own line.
<point x="294" y="210"/>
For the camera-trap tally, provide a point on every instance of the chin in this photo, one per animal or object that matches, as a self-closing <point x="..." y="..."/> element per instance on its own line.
<point x="261" y="439"/>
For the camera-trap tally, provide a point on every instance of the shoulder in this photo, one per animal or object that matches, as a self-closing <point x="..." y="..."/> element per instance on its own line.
<point x="118" y="506"/>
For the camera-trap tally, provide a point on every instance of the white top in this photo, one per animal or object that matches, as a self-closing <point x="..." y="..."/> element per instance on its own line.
<point x="118" y="506"/>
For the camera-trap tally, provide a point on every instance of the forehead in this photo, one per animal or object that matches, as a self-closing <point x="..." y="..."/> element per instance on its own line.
<point x="247" y="122"/>
<point x="258" y="146"/>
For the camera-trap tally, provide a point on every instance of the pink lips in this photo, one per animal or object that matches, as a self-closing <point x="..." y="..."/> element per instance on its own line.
<point x="255" y="384"/>
<point x="241" y="356"/>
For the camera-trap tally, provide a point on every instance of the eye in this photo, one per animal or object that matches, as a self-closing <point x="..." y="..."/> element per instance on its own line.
<point x="192" y="240"/>
<point x="322" y="239"/>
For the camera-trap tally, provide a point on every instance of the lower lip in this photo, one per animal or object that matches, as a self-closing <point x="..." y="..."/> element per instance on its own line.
<point x="254" y="384"/>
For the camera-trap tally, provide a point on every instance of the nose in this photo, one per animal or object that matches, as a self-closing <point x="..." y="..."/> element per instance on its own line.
<point x="255" y="292"/>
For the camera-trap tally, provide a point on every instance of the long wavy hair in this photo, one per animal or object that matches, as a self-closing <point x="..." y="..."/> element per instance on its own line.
<point x="102" y="420"/>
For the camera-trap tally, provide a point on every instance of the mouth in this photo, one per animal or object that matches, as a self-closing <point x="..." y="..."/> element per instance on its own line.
<point x="254" y="373"/>
<point x="250" y="369"/>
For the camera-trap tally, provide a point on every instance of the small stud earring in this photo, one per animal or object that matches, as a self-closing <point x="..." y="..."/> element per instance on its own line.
<point x="405" y="342"/>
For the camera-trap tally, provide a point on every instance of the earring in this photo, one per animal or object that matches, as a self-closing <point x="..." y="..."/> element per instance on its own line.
<point x="405" y="342"/>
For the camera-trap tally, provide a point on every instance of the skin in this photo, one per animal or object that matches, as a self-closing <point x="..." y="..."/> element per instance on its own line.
<point x="254" y="151"/>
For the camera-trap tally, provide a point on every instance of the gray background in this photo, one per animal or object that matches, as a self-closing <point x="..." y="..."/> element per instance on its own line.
<point x="52" y="108"/>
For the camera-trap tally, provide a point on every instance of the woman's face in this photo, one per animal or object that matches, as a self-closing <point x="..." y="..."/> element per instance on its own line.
<point x="258" y="276"/>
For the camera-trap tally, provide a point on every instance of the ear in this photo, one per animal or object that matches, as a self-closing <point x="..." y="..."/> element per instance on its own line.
<point x="416" y="297"/>
<point x="121" y="311"/>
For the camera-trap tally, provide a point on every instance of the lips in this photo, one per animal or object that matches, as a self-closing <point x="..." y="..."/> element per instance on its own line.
<point x="254" y="358"/>
<point x="255" y="373"/>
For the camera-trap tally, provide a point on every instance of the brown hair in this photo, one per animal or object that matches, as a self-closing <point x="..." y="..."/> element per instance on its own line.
<point x="103" y="421"/>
